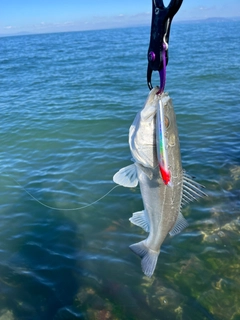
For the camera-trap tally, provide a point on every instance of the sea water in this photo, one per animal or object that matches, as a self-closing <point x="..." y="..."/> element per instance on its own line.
<point x="66" y="104"/>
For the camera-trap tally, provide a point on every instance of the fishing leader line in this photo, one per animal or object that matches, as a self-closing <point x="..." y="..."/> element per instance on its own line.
<point x="62" y="209"/>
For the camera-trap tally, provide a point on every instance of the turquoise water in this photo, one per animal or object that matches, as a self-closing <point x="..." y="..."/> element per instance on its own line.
<point x="67" y="101"/>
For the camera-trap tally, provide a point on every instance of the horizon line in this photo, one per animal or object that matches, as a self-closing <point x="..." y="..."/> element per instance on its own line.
<point x="210" y="19"/>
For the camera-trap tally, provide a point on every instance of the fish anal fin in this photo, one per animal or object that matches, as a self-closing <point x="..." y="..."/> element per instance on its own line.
<point x="140" y="220"/>
<point x="149" y="257"/>
<point x="127" y="176"/>
<point x="180" y="224"/>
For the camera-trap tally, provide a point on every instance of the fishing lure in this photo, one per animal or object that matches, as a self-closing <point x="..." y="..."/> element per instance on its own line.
<point x="162" y="144"/>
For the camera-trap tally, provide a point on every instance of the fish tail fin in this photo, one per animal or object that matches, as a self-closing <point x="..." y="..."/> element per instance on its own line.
<point x="148" y="256"/>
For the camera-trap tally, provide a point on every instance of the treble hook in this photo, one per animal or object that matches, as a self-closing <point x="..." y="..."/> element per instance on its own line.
<point x="159" y="39"/>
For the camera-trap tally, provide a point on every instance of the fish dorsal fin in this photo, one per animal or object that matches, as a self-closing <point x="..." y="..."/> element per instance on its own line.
<point x="180" y="224"/>
<point x="139" y="219"/>
<point x="191" y="190"/>
<point x="127" y="177"/>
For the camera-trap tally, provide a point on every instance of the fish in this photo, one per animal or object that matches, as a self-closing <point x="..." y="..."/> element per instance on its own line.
<point x="157" y="168"/>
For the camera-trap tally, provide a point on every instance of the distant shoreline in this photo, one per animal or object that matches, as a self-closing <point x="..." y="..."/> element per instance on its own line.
<point x="207" y="20"/>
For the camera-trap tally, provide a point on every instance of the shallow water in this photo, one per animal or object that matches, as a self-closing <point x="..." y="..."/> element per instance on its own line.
<point x="67" y="101"/>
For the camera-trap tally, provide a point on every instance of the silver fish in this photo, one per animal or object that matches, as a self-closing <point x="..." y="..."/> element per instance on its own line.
<point x="162" y="202"/>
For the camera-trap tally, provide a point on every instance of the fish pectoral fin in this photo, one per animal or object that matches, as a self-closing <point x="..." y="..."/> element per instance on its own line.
<point x="191" y="190"/>
<point x="139" y="219"/>
<point x="127" y="176"/>
<point x="147" y="171"/>
<point x="180" y="224"/>
<point x="149" y="257"/>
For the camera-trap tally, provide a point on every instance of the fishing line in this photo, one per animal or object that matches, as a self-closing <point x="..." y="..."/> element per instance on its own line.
<point x="61" y="209"/>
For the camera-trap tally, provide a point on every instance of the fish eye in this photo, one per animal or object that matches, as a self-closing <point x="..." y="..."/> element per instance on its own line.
<point x="167" y="122"/>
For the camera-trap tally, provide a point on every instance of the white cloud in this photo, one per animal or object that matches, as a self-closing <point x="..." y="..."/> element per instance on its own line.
<point x="96" y="22"/>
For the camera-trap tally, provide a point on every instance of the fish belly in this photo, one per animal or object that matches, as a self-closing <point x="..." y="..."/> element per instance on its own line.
<point x="162" y="207"/>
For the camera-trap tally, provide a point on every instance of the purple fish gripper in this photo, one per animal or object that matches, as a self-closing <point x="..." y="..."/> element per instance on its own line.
<point x="162" y="72"/>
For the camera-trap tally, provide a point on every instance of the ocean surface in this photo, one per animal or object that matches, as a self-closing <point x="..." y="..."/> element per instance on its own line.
<point x="66" y="104"/>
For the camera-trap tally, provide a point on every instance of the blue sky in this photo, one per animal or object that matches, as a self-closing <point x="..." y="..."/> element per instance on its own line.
<point x="40" y="16"/>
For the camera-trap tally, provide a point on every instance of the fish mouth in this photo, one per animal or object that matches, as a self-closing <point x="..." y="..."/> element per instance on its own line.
<point x="172" y="140"/>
